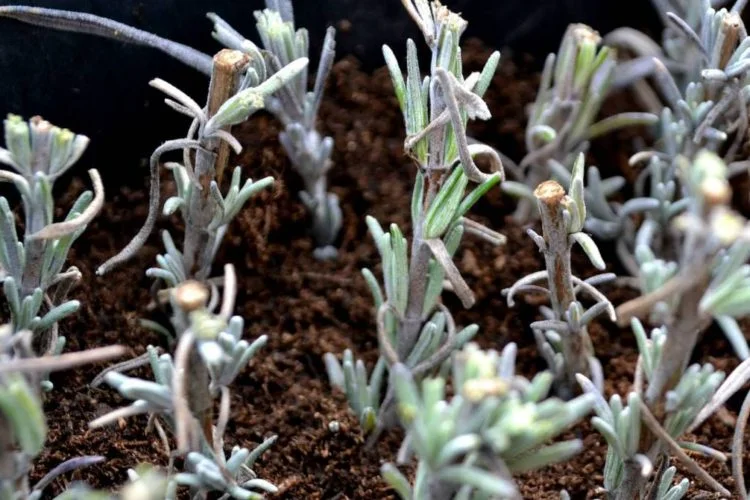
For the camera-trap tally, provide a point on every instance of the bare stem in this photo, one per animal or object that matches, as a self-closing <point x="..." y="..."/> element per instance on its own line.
<point x="228" y="68"/>
<point x="411" y="324"/>
<point x="210" y="161"/>
<point x="549" y="196"/>
<point x="685" y="330"/>
<point x="730" y="34"/>
<point x="63" y="361"/>
<point x="183" y="415"/>
<point x="738" y="448"/>
<point x="576" y="348"/>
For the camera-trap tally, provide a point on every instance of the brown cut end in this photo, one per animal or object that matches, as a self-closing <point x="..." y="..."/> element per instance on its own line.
<point x="231" y="60"/>
<point x="228" y="67"/>
<point x="549" y="193"/>
<point x="583" y="32"/>
<point x="716" y="191"/>
<point x="732" y="21"/>
<point x="731" y="27"/>
<point x="191" y="295"/>
<point x="40" y="124"/>
<point x="453" y="20"/>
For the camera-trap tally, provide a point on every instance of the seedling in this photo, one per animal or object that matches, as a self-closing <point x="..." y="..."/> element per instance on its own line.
<point x="31" y="268"/>
<point x="563" y="118"/>
<point x="23" y="426"/>
<point x="297" y="109"/>
<point x="496" y="424"/>
<point x="414" y="328"/>
<point x="210" y="353"/>
<point x="562" y="336"/>
<point x="294" y="106"/>
<point x="710" y="280"/>
<point x="235" y="93"/>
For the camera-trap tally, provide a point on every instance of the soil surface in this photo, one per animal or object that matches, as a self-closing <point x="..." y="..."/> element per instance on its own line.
<point x="308" y="307"/>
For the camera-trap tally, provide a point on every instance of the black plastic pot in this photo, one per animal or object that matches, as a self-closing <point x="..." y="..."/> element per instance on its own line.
<point x="99" y="87"/>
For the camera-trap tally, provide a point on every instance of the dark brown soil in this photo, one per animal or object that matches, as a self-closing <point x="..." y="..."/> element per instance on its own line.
<point x="308" y="308"/>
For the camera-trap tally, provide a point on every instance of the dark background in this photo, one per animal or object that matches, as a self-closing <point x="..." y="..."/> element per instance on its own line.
<point x="100" y="87"/>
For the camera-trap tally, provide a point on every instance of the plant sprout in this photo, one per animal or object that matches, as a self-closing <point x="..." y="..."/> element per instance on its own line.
<point x="32" y="271"/>
<point x="293" y="105"/>
<point x="497" y="423"/>
<point x="206" y="211"/>
<point x="562" y="121"/>
<point x="414" y="328"/>
<point x="707" y="281"/>
<point x="210" y="354"/>
<point x="562" y="335"/>
<point x="23" y="425"/>
<point x="297" y="109"/>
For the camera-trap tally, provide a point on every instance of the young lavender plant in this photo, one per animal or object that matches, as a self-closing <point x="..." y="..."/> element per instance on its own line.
<point x="689" y="26"/>
<point x="210" y="354"/>
<point x="496" y="424"/>
<point x="714" y="107"/>
<point x="562" y="121"/>
<point x="708" y="112"/>
<point x="31" y="268"/>
<point x="294" y="106"/>
<point x="707" y="99"/>
<point x="297" y="109"/>
<point x="414" y="328"/>
<point x="689" y="126"/>
<point x="707" y="281"/>
<point x="237" y="90"/>
<point x="624" y="425"/>
<point x="23" y="427"/>
<point x="702" y="113"/>
<point x="562" y="335"/>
